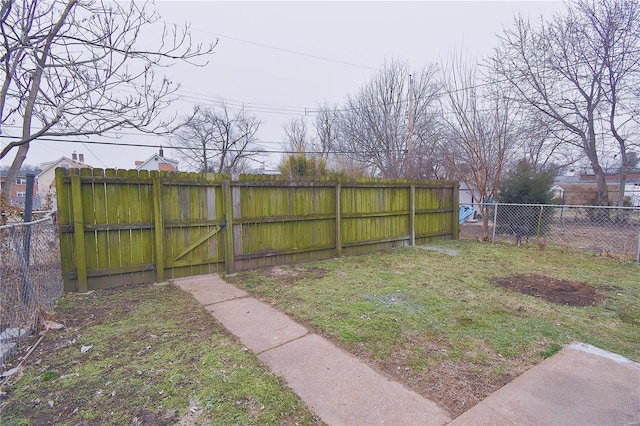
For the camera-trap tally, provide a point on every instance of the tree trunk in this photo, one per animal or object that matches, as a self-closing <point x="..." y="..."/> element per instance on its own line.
<point x="589" y="144"/>
<point x="485" y="223"/>
<point x="620" y="215"/>
<point x="602" y="198"/>
<point x="14" y="170"/>
<point x="623" y="179"/>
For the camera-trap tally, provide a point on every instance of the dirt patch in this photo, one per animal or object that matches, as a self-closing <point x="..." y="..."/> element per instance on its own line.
<point x="563" y="292"/>
<point x="453" y="384"/>
<point x="287" y="276"/>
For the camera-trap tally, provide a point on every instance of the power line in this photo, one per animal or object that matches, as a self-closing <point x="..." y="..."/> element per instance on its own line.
<point x="179" y="148"/>
<point x="280" y="49"/>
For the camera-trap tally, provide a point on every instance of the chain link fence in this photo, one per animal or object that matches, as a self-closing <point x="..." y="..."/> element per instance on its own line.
<point x="606" y="231"/>
<point x="30" y="278"/>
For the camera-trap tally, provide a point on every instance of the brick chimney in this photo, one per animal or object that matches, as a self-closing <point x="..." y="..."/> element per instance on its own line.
<point x="74" y="156"/>
<point x="81" y="158"/>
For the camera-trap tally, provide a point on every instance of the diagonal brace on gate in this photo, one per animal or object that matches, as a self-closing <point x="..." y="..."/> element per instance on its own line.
<point x="201" y="239"/>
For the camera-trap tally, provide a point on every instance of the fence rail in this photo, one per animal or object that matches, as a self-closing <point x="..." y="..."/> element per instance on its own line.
<point x="607" y="231"/>
<point x="122" y="227"/>
<point x="30" y="278"/>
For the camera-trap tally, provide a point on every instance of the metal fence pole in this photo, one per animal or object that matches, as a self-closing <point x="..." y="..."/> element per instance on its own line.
<point x="539" y="221"/>
<point x="495" y="219"/>
<point x="28" y="209"/>
<point x="26" y="286"/>
<point x="638" y="255"/>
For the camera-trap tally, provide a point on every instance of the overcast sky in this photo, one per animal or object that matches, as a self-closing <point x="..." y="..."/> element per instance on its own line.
<point x="281" y="59"/>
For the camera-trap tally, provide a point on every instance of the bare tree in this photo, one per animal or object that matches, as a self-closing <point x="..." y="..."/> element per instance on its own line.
<point x="374" y="123"/>
<point x="614" y="27"/>
<point x="327" y="130"/>
<point x="296" y="137"/>
<point x="481" y="130"/>
<point x="539" y="148"/>
<point x="76" y="67"/>
<point x="564" y="67"/>
<point x="216" y="139"/>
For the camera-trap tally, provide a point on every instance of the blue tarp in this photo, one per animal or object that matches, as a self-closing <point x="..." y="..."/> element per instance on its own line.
<point x="464" y="211"/>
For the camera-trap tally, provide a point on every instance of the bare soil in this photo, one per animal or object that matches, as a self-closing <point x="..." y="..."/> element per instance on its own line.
<point x="563" y="292"/>
<point x="288" y="277"/>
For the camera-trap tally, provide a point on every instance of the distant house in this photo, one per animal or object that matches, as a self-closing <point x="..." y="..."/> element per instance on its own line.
<point x="632" y="190"/>
<point x="158" y="162"/>
<point x="581" y="189"/>
<point x="466" y="195"/>
<point x="18" y="196"/>
<point x="470" y="195"/>
<point x="47" y="177"/>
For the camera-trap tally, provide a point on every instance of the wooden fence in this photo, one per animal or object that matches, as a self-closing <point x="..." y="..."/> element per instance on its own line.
<point x="125" y="227"/>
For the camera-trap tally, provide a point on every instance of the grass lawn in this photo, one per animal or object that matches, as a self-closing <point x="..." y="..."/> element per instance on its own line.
<point x="156" y="357"/>
<point x="435" y="317"/>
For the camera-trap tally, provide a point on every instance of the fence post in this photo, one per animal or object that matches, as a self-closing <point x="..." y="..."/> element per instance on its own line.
<point x="539" y="221"/>
<point x="78" y="233"/>
<point x="63" y="205"/>
<point x="229" y="243"/>
<point x="158" y="225"/>
<point x="495" y="224"/>
<point x="28" y="209"/>
<point x="338" y="235"/>
<point x="456" y="209"/>
<point x="638" y="255"/>
<point x="26" y="287"/>
<point x="412" y="214"/>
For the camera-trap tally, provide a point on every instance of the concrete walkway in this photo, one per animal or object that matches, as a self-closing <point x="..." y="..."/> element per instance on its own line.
<point x="579" y="385"/>
<point x="338" y="387"/>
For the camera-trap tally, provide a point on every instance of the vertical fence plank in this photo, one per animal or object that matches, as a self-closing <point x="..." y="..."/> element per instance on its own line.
<point x="229" y="251"/>
<point x="100" y="209"/>
<point x="63" y="201"/>
<point x="113" y="236"/>
<point x="338" y="227"/>
<point x="136" y="208"/>
<point x="412" y="215"/>
<point x="455" y="200"/>
<point x="78" y="229"/>
<point x="158" y="223"/>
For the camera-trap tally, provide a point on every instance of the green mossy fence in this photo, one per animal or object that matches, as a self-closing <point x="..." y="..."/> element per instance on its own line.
<point x="126" y="226"/>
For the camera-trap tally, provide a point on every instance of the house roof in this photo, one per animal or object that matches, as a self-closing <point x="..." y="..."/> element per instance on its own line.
<point x="559" y="180"/>
<point x="589" y="180"/>
<point x="73" y="164"/>
<point x="613" y="177"/>
<point x="21" y="173"/>
<point x="161" y="160"/>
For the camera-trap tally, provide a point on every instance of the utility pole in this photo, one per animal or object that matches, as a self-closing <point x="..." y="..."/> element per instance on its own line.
<point x="410" y="129"/>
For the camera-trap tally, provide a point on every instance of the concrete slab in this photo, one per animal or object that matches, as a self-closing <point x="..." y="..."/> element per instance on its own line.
<point x="6" y="351"/>
<point x="13" y="334"/>
<point x="209" y="289"/>
<point x="342" y="390"/>
<point x="258" y="326"/>
<point x="579" y="385"/>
